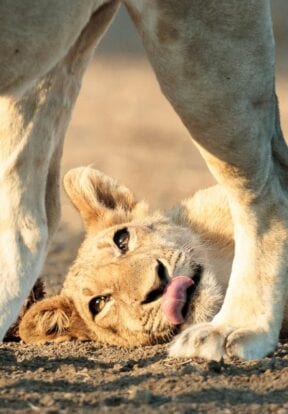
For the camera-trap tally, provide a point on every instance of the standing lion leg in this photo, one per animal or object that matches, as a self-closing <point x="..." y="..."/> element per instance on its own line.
<point x="24" y="167"/>
<point x="32" y="130"/>
<point x="215" y="63"/>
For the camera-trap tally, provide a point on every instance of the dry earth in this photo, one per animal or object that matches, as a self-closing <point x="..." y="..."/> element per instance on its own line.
<point x="123" y="126"/>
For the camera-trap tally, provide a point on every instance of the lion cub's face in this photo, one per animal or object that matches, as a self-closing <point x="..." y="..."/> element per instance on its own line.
<point x="137" y="279"/>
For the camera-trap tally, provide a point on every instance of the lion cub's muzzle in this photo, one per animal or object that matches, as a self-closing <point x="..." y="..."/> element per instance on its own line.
<point x="176" y="293"/>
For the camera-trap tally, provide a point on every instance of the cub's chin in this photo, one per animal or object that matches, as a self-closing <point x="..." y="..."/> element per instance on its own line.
<point x="204" y="302"/>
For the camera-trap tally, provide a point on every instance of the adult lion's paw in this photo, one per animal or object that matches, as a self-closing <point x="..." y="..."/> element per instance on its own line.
<point x="213" y="342"/>
<point x="249" y="344"/>
<point x="203" y="340"/>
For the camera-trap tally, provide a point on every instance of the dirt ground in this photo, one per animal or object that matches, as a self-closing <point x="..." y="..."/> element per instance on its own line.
<point x="124" y="127"/>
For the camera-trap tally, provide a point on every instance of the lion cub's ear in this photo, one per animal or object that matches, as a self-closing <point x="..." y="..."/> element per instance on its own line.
<point x="52" y="320"/>
<point x="101" y="200"/>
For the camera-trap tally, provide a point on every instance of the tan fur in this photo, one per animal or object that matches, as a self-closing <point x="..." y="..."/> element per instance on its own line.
<point x="198" y="231"/>
<point x="100" y="268"/>
<point x="215" y="64"/>
<point x="57" y="318"/>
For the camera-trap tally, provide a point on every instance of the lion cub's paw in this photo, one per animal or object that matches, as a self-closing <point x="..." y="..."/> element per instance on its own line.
<point x="213" y="342"/>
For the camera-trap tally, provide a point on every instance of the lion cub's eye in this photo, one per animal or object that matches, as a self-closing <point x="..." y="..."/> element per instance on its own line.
<point x="96" y="305"/>
<point x="121" y="239"/>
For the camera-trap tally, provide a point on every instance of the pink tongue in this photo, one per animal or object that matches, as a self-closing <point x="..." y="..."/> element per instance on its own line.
<point x="174" y="299"/>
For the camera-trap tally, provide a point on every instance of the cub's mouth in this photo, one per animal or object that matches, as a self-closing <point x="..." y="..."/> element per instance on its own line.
<point x="176" y="293"/>
<point x="192" y="290"/>
<point x="178" y="296"/>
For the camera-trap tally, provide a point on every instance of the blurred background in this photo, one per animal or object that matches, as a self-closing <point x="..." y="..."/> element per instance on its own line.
<point x="124" y="126"/>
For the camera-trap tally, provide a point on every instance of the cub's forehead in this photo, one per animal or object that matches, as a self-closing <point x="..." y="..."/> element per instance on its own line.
<point x="149" y="234"/>
<point x="146" y="226"/>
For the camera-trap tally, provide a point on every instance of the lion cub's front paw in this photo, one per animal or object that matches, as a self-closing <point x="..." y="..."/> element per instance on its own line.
<point x="213" y="342"/>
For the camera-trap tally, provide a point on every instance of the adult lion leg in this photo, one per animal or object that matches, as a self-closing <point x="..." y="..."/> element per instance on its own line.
<point x="24" y="167"/>
<point x="215" y="63"/>
<point x="74" y="66"/>
<point x="32" y="130"/>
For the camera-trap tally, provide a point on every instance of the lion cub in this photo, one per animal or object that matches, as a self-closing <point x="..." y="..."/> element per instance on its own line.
<point x="140" y="277"/>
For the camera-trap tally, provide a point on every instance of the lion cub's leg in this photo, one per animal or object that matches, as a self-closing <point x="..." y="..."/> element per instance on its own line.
<point x="215" y="63"/>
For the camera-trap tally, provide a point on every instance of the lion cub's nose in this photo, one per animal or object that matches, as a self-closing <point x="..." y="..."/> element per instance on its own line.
<point x="162" y="274"/>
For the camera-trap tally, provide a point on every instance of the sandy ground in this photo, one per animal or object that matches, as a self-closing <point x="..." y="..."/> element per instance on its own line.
<point x="124" y="127"/>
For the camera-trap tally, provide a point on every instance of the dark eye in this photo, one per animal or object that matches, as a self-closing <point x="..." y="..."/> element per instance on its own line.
<point x="121" y="239"/>
<point x="96" y="305"/>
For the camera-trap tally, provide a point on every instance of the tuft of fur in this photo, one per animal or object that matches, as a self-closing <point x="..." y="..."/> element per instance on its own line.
<point x="52" y="320"/>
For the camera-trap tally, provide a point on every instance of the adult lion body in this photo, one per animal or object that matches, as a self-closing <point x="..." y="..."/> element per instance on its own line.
<point x="215" y="63"/>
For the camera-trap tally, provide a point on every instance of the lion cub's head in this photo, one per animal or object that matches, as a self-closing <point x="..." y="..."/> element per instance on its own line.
<point x="137" y="279"/>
